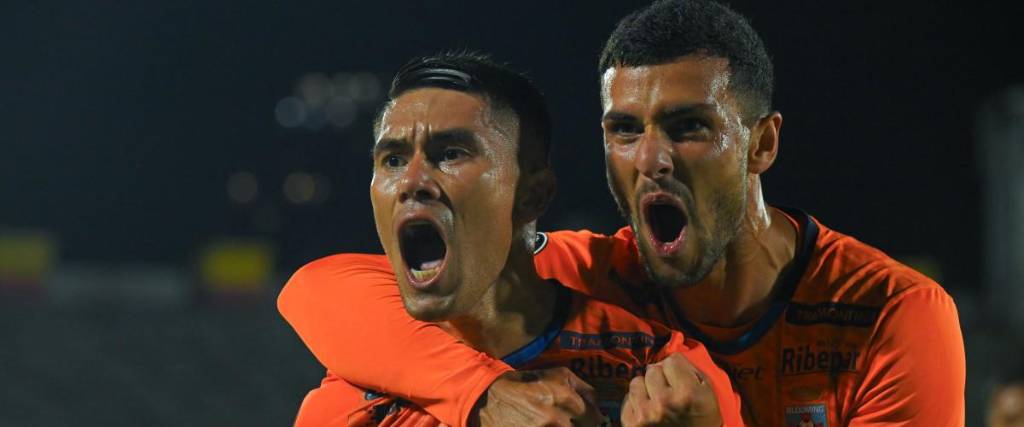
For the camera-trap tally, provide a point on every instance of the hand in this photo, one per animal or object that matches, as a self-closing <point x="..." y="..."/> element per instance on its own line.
<point x="547" y="397"/>
<point x="672" y="393"/>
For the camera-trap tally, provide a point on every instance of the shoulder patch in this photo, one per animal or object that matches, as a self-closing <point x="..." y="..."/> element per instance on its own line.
<point x="540" y="241"/>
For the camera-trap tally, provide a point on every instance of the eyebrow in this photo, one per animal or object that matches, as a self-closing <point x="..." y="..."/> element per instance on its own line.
<point x="684" y="110"/>
<point x="458" y="136"/>
<point x="461" y="136"/>
<point x="389" y="145"/>
<point x="667" y="113"/>
<point x="618" y="116"/>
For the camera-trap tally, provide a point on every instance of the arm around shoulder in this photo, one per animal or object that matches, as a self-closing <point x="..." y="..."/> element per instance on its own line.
<point x="347" y="310"/>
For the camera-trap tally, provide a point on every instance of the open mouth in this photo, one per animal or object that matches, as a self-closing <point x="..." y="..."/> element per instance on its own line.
<point x="666" y="222"/>
<point x="423" y="250"/>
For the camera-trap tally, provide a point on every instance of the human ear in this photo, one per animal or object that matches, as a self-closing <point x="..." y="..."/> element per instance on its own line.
<point x="764" y="143"/>
<point x="534" y="195"/>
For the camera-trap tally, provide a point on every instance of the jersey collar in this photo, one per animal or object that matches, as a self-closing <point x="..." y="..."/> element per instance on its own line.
<point x="787" y="284"/>
<point x="535" y="347"/>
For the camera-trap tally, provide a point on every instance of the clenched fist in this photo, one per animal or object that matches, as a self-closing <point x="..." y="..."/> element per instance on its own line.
<point x="672" y="393"/>
<point x="546" y="397"/>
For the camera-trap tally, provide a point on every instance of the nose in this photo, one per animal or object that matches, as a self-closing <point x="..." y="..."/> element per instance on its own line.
<point x="654" y="156"/>
<point x="417" y="183"/>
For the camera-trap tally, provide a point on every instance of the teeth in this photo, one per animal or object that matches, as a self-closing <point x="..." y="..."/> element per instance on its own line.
<point x="430" y="265"/>
<point x="429" y="273"/>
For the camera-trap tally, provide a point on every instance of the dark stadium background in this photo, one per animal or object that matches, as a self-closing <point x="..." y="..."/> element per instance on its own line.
<point x="136" y="140"/>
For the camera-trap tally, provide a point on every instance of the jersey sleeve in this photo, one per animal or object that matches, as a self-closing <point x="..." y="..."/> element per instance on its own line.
<point x="583" y="260"/>
<point x="348" y="312"/>
<point x="568" y="257"/>
<point x="330" y="404"/>
<point x="337" y="403"/>
<point x="693" y="351"/>
<point x="916" y="368"/>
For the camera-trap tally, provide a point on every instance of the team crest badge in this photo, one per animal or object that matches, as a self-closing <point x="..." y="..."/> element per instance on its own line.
<point x="540" y="241"/>
<point x="807" y="416"/>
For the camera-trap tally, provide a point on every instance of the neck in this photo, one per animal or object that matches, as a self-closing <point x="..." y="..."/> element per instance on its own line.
<point x="740" y="286"/>
<point x="514" y="310"/>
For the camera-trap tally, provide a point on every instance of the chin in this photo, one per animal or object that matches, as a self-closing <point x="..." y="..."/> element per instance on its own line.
<point x="428" y="308"/>
<point x="667" y="275"/>
<point x="674" y="271"/>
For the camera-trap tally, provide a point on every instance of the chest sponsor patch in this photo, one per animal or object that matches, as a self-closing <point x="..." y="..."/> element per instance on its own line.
<point x="832" y="313"/>
<point x="804" y="360"/>
<point x="608" y="340"/>
<point x="807" y="416"/>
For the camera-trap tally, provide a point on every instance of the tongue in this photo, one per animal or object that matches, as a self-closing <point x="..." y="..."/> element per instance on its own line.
<point x="430" y="265"/>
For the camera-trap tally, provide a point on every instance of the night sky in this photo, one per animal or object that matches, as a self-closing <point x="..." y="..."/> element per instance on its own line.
<point x="120" y="126"/>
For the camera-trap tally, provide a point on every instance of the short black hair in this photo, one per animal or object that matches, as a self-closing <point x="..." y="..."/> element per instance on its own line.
<point x="669" y="29"/>
<point x="502" y="86"/>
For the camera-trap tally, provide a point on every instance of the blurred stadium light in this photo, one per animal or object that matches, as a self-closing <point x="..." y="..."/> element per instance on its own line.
<point x="27" y="258"/>
<point x="319" y="100"/>
<point x="236" y="269"/>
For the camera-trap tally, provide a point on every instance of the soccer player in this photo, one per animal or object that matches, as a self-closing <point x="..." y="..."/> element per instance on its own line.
<point x="460" y="176"/>
<point x="811" y="324"/>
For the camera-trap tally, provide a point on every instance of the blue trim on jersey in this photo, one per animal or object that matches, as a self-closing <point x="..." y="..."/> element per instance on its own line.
<point x="787" y="287"/>
<point x="532" y="349"/>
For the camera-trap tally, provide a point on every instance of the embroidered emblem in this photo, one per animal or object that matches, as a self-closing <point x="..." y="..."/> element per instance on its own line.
<point x="807" y="416"/>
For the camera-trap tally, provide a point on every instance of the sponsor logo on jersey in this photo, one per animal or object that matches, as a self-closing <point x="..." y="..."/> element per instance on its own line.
<point x="743" y="373"/>
<point x="807" y="416"/>
<point x="608" y="340"/>
<point x="802" y="360"/>
<point x="596" y="367"/>
<point x="831" y="313"/>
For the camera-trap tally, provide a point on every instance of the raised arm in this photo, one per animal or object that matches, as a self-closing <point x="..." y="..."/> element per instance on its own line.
<point x="348" y="311"/>
<point x="916" y="372"/>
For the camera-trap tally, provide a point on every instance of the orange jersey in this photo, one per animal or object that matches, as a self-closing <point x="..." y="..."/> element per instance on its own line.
<point x="852" y="337"/>
<point x="603" y="344"/>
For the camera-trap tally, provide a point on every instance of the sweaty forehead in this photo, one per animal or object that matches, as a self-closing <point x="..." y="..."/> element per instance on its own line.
<point x="435" y="109"/>
<point x="691" y="79"/>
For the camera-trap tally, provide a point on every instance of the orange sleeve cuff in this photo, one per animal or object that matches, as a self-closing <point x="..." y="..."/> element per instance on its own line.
<point x="487" y="374"/>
